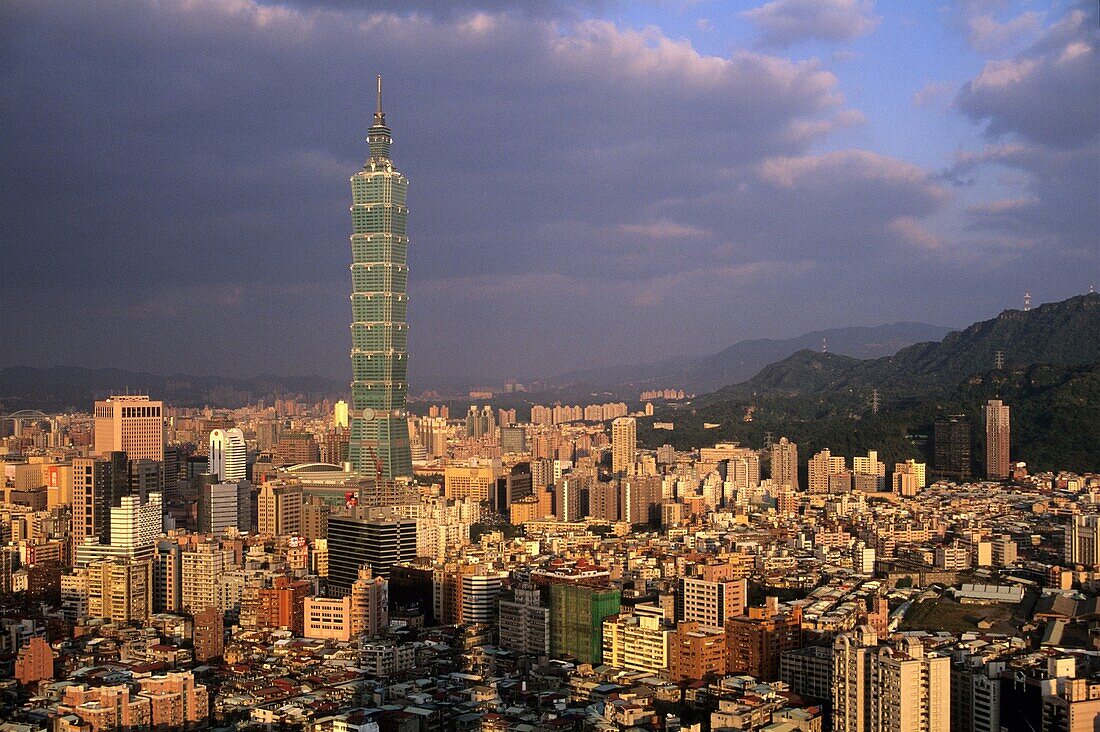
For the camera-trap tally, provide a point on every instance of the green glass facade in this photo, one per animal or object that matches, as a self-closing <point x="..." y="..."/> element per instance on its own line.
<point x="576" y="620"/>
<point x="379" y="441"/>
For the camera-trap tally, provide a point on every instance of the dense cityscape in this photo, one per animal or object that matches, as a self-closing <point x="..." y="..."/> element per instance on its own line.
<point x="904" y="541"/>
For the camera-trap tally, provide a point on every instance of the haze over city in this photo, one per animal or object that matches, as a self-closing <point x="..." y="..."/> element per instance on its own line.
<point x="590" y="183"/>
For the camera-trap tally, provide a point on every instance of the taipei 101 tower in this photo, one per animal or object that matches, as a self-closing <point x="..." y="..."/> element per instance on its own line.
<point x="379" y="440"/>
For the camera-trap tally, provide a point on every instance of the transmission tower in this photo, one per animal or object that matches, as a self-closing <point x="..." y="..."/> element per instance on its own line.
<point x="824" y="345"/>
<point x="768" y="440"/>
<point x="999" y="359"/>
<point x="1027" y="301"/>
<point x="874" y="401"/>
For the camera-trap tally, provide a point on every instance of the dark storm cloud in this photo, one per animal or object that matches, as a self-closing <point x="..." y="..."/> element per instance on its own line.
<point x="176" y="179"/>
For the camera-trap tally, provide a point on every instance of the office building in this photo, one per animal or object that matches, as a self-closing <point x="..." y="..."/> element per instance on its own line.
<point x="219" y="508"/>
<point x="951" y="447"/>
<point x="624" y="445"/>
<point x="577" y="613"/>
<point x="479" y="596"/>
<point x="377" y="541"/>
<point x="1081" y="541"/>
<point x="379" y="328"/>
<point x="997" y="440"/>
<point x="784" y="456"/>
<point x="279" y="509"/>
<point x="135" y="522"/>
<point x="133" y="424"/>
<point x="340" y="415"/>
<point x="513" y="439"/>
<point x="710" y="603"/>
<point x="476" y="480"/>
<point x="228" y="455"/>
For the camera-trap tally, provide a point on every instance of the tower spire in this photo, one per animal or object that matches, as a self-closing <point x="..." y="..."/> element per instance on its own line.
<point x="379" y="115"/>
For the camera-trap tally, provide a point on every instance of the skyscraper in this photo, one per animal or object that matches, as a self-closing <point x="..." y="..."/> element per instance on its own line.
<point x="785" y="463"/>
<point x="228" y="456"/>
<point x="624" y="444"/>
<point x="952" y="447"/>
<point x="996" y="440"/>
<point x="132" y="424"/>
<point x="379" y="431"/>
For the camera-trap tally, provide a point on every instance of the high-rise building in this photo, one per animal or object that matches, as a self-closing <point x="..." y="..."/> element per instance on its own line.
<point x="624" y="445"/>
<point x="524" y="622"/>
<point x="228" y="455"/>
<point x="340" y="414"/>
<point x="374" y="540"/>
<point x="951" y="448"/>
<point x="135" y="521"/>
<point x="851" y="679"/>
<point x="640" y="499"/>
<point x="513" y="439"/>
<point x="696" y="652"/>
<point x="133" y="424"/>
<point x="869" y="472"/>
<point x="1082" y="540"/>
<point x="785" y="463"/>
<point x="209" y="634"/>
<point x="379" y="329"/>
<point x="756" y="641"/>
<point x="889" y="688"/>
<point x="120" y="590"/>
<point x="909" y="478"/>
<point x="710" y="603"/>
<point x="219" y="506"/>
<point x="200" y="571"/>
<point x="821" y="469"/>
<point x="997" y="440"/>
<point x="637" y="640"/>
<point x="577" y="613"/>
<point x="279" y="509"/>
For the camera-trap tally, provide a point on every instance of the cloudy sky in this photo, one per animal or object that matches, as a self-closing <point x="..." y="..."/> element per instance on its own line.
<point x="591" y="183"/>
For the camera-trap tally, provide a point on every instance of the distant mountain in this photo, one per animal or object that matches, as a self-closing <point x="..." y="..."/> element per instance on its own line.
<point x="74" y="387"/>
<point x="1064" y="333"/>
<point x="1050" y="378"/>
<point x="744" y="359"/>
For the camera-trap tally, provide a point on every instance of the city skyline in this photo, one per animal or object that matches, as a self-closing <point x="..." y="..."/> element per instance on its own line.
<point x="793" y="173"/>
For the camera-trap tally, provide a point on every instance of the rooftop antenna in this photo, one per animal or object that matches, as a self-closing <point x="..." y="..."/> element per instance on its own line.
<point x="1027" y="301"/>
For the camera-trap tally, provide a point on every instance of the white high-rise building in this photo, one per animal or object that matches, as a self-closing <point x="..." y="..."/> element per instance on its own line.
<point x="228" y="456"/>
<point x="136" y="524"/>
<point x="624" y="445"/>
